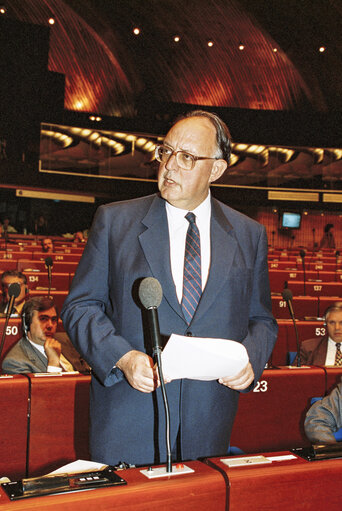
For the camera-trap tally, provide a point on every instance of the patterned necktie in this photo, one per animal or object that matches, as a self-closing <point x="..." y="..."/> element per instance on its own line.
<point x="192" y="280"/>
<point x="338" y="356"/>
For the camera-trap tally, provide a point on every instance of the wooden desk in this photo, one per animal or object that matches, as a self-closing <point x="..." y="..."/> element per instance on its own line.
<point x="203" y="490"/>
<point x="284" y="485"/>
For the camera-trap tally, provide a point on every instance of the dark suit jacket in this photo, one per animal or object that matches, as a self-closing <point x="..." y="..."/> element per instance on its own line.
<point x="314" y="351"/>
<point x="104" y="319"/>
<point x="25" y="358"/>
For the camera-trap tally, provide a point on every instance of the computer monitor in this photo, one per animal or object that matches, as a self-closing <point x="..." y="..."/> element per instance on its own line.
<point x="290" y="220"/>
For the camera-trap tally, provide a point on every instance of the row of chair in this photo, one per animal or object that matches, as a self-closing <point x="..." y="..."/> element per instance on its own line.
<point x="286" y="341"/>
<point x="45" y="417"/>
<point x="41" y="256"/>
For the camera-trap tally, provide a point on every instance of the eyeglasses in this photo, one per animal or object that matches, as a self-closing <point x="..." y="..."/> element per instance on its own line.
<point x="184" y="160"/>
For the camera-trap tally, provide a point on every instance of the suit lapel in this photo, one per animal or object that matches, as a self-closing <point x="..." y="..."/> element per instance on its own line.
<point x="34" y="355"/>
<point x="155" y="244"/>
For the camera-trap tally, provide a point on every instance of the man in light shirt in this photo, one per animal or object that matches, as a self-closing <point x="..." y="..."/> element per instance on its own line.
<point x="324" y="350"/>
<point x="146" y="237"/>
<point x="38" y="350"/>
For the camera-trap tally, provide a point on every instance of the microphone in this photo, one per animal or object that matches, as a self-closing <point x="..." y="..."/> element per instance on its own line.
<point x="302" y="255"/>
<point x="287" y="296"/>
<point x="151" y="294"/>
<point x="13" y="292"/>
<point x="49" y="266"/>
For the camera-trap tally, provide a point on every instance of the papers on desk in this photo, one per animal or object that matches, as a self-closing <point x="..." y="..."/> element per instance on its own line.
<point x="200" y="358"/>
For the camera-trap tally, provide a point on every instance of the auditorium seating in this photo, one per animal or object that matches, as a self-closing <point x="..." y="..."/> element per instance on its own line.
<point x="268" y="419"/>
<point x="40" y="281"/>
<point x="59" y="421"/>
<point x="14" y="402"/>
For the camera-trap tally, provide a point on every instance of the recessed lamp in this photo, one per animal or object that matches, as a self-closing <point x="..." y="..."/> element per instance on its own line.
<point x="322" y="49"/>
<point x="51" y="21"/>
<point x="275" y="50"/>
<point x="176" y="39"/>
<point x="210" y="43"/>
<point x="241" y="47"/>
<point x="2" y="9"/>
<point x="136" y="30"/>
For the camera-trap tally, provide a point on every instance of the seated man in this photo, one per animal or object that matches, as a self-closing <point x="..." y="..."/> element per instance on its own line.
<point x="10" y="277"/>
<point x="47" y="245"/>
<point x="325" y="350"/>
<point x="38" y="350"/>
<point x="324" y="418"/>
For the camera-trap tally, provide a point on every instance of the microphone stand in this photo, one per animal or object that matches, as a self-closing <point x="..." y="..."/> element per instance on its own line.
<point x="8" y="315"/>
<point x="48" y="266"/>
<point x="155" y="331"/>
<point x="287" y="296"/>
<point x="302" y="255"/>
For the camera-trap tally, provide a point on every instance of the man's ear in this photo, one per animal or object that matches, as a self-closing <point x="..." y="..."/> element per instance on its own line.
<point x="217" y="170"/>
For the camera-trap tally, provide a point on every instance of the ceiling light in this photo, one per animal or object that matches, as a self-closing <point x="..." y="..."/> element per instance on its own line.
<point x="176" y="39"/>
<point x="136" y="31"/>
<point x="322" y="49"/>
<point x="275" y="50"/>
<point x="241" y="47"/>
<point x="210" y="43"/>
<point x="51" y="21"/>
<point x="2" y="9"/>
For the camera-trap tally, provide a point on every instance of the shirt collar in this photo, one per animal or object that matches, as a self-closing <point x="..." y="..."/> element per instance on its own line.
<point x="202" y="211"/>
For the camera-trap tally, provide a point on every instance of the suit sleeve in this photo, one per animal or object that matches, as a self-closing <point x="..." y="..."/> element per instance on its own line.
<point x="262" y="327"/>
<point x="15" y="365"/>
<point x="324" y="418"/>
<point x="84" y="311"/>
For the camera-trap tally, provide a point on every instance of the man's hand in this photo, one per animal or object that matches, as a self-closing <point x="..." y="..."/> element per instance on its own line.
<point x="139" y="371"/>
<point x="53" y="351"/>
<point x="240" y="381"/>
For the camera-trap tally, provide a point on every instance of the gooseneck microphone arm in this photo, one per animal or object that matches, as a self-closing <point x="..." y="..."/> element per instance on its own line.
<point x="150" y="294"/>
<point x="302" y="255"/>
<point x="287" y="296"/>
<point x="48" y="266"/>
<point x="13" y="293"/>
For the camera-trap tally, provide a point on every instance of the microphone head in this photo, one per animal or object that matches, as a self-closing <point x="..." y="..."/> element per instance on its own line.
<point x="150" y="292"/>
<point x="302" y="253"/>
<point x="287" y="294"/>
<point x="14" y="289"/>
<point x="48" y="261"/>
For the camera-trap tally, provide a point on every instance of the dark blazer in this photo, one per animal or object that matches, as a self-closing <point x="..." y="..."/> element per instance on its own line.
<point x="104" y="319"/>
<point x="314" y="351"/>
<point x="25" y="358"/>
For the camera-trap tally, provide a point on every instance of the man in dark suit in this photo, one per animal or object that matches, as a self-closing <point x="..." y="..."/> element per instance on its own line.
<point x="146" y="237"/>
<point x="326" y="350"/>
<point x="38" y="350"/>
<point x="11" y="277"/>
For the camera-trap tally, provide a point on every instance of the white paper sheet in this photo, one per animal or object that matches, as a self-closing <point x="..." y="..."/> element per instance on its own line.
<point x="200" y="358"/>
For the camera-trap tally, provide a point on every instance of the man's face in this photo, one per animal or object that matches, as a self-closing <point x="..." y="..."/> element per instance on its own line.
<point x="186" y="189"/>
<point x="334" y="325"/>
<point x="7" y="281"/>
<point x="43" y="325"/>
<point x="47" y="245"/>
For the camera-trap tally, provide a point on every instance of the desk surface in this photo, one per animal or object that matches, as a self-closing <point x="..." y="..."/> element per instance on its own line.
<point x="203" y="490"/>
<point x="293" y="485"/>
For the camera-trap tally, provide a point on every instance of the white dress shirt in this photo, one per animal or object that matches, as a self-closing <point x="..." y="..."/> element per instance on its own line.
<point x="178" y="227"/>
<point x="331" y="353"/>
